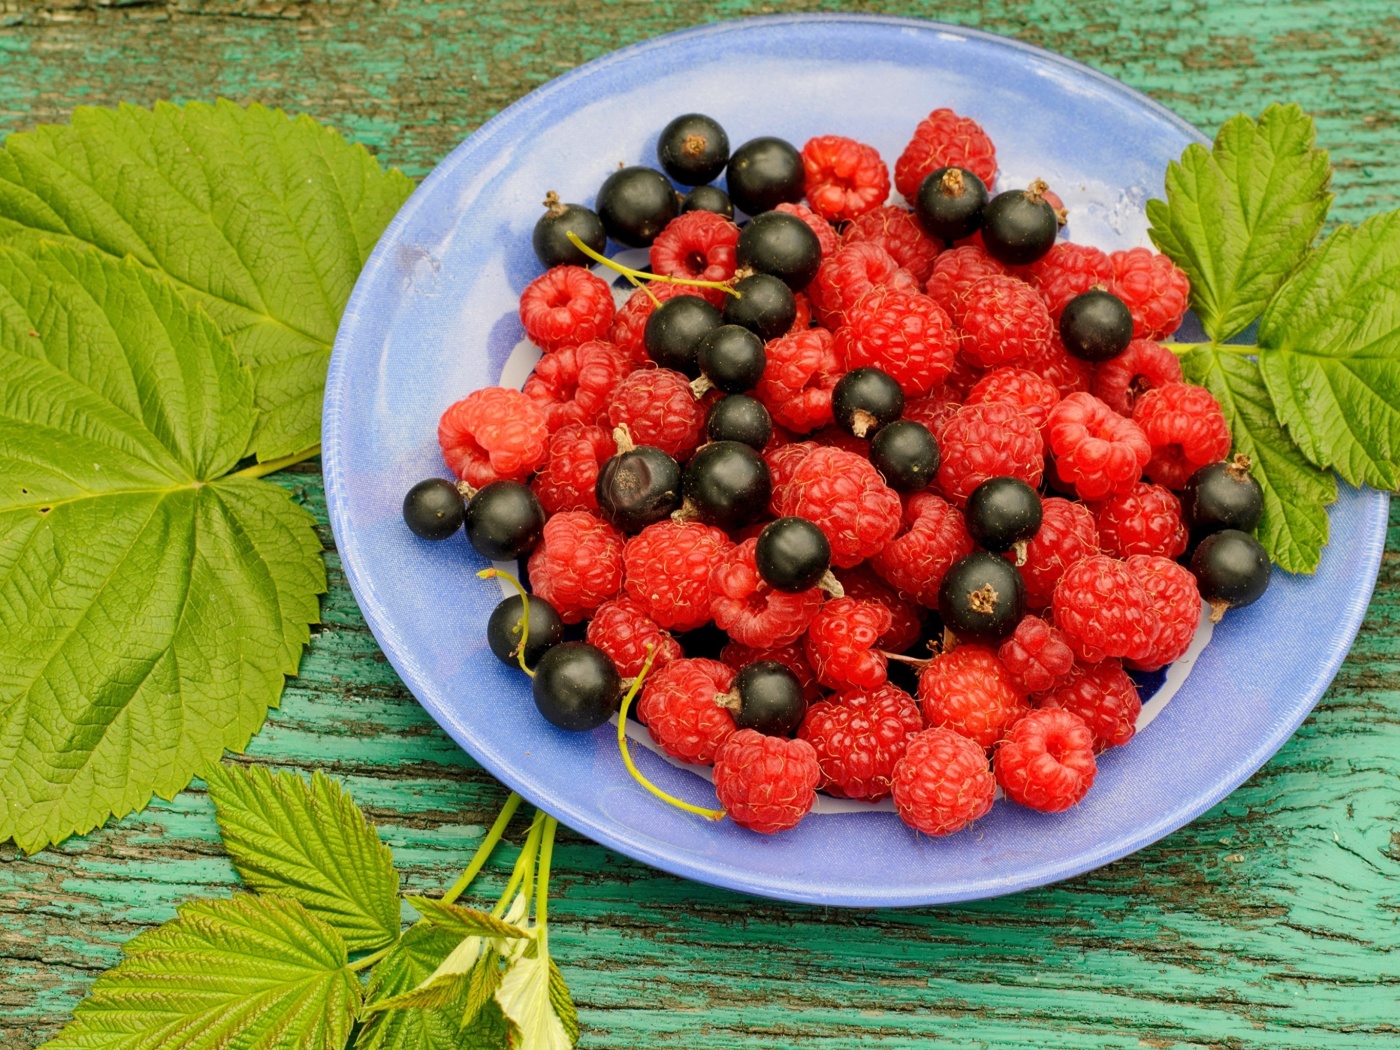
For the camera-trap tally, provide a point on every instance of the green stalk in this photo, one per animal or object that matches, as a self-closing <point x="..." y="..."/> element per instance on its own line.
<point x="542" y="892"/>
<point x="272" y="466"/>
<point x="525" y="862"/>
<point x="368" y="960"/>
<point x="483" y="852"/>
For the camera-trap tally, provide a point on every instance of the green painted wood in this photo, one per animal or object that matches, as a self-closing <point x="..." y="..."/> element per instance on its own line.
<point x="1273" y="921"/>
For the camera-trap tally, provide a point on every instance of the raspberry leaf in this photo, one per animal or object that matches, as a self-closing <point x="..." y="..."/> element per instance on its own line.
<point x="1329" y="352"/>
<point x="309" y="841"/>
<point x="151" y="602"/>
<point x="528" y="996"/>
<point x="263" y="219"/>
<point x="258" y="973"/>
<point x="463" y="921"/>
<point x="1294" y="526"/>
<point x="1240" y="216"/>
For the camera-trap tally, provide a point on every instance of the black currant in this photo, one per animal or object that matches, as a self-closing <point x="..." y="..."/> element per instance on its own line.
<point x="792" y="554"/>
<point x="1096" y="325"/>
<point x="693" y="149"/>
<point x="504" y="628"/>
<point x="552" y="245"/>
<point x="576" y="686"/>
<point x="727" y="485"/>
<point x="781" y="244"/>
<point x="906" y="455"/>
<point x="766" y="696"/>
<point x="982" y="598"/>
<point x="1222" y="496"/>
<point x="763" y="173"/>
<point x="674" y="330"/>
<point x="1019" y="226"/>
<point x="434" y="509"/>
<point x="864" y="400"/>
<point x="504" y="521"/>
<point x="949" y="203"/>
<point x="1232" y="570"/>
<point x="731" y="357"/>
<point x="765" y="306"/>
<point x="1001" y="513"/>
<point x="638" y="487"/>
<point x="738" y="417"/>
<point x="708" y="198"/>
<point x="635" y="205"/>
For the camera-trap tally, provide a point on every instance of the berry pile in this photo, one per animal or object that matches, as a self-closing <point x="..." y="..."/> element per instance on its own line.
<point x="875" y="501"/>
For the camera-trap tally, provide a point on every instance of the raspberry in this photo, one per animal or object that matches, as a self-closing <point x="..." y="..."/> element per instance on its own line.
<point x="1047" y="762"/>
<point x="1103" y="610"/>
<point x="801" y="371"/>
<point x="932" y="536"/>
<point x="573" y="384"/>
<point x="956" y="271"/>
<point x="1034" y="395"/>
<point x="847" y="275"/>
<point x="749" y="610"/>
<point x="680" y="709"/>
<point x="802" y="319"/>
<point x="932" y="411"/>
<point x="943" y="783"/>
<point x="841" y="643"/>
<point x="988" y="441"/>
<point x="668" y="571"/>
<point x="844" y="496"/>
<point x="1068" y="269"/>
<point x="783" y="462"/>
<point x="906" y="620"/>
<point x="578" y="564"/>
<point x="826" y="236"/>
<point x="700" y="246"/>
<point x="1177" y="603"/>
<point x="1186" y="428"/>
<point x="1155" y="291"/>
<point x="629" y="325"/>
<point x="899" y="233"/>
<point x="838" y="438"/>
<point x="1096" y="450"/>
<point x="790" y="656"/>
<point x="565" y="306"/>
<point x="492" y="434"/>
<point x="904" y="334"/>
<point x="859" y="736"/>
<point x="766" y="783"/>
<point x="623" y="630"/>
<point x="845" y="178"/>
<point x="570" y="473"/>
<point x="1067" y="535"/>
<point x="1036" y="655"/>
<point x="1144" y="520"/>
<point x="1145" y="365"/>
<point x="941" y="140"/>
<point x="1102" y="695"/>
<point x="970" y="691"/>
<point x="1002" y="321"/>
<point x="1068" y="374"/>
<point x="657" y="407"/>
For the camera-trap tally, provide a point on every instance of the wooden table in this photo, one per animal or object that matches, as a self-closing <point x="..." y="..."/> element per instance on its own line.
<point x="1273" y="921"/>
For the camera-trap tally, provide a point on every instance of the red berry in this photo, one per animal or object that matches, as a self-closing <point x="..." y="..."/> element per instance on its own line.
<point x="1102" y="695"/>
<point x="898" y="232"/>
<point x="1068" y="269"/>
<point x="578" y="564"/>
<point x="658" y="408"/>
<point x="1145" y="365"/>
<point x="1103" y="610"/>
<point x="943" y="783"/>
<point x="845" y="178"/>
<point x="1067" y="535"/>
<point x="699" y="246"/>
<point x="749" y="610"/>
<point x="969" y="691"/>
<point x="933" y="411"/>
<point x="783" y="462"/>
<point x="1155" y="291"/>
<point x="841" y="643"/>
<point x="679" y="706"/>
<point x="1096" y="450"/>
<point x="566" y="306"/>
<point x="1068" y="374"/>
<point x="570" y="473"/>
<point x="1002" y="321"/>
<point x="956" y="271"/>
<point x="907" y="622"/>
<point x="1036" y="656"/>
<point x="1146" y="519"/>
<point x="801" y="372"/>
<point x="573" y="384"/>
<point x="844" y="496"/>
<point x="943" y="140"/>
<point x="826" y="236"/>
<point x="932" y="537"/>
<point x="859" y="735"/>
<point x="623" y="630"/>
<point x="802" y="320"/>
<point x="1047" y="762"/>
<point x="668" y="569"/>
<point x="1177" y="603"/>
<point x="1186" y="428"/>
<point x="988" y="441"/>
<point x="793" y="657"/>
<point x="1032" y="394"/>
<point x="838" y="438"/>
<point x="629" y="325"/>
<point x="765" y="783"/>
<point x="493" y="434"/>
<point x="845" y="276"/>
<point x="904" y="334"/>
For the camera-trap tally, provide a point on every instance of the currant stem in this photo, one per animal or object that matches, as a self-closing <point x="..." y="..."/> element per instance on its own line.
<point x="912" y="661"/>
<point x="491" y="574"/>
<point x="483" y="852"/>
<point x="638" y="275"/>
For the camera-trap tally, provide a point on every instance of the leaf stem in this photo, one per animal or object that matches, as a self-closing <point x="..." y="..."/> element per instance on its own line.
<point x="523" y="863"/>
<point x="483" y="852"/>
<point x="641" y="275"/>
<point x="542" y="888"/>
<point x="369" y="960"/>
<point x="1242" y="349"/>
<point x="272" y="466"/>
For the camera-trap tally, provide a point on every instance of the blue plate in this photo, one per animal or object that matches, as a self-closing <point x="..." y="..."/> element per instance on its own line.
<point x="434" y="316"/>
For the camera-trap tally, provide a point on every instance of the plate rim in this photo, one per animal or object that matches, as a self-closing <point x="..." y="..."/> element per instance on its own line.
<point x="698" y="869"/>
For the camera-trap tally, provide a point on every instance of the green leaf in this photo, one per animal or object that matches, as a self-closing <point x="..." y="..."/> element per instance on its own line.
<point x="526" y="996"/>
<point x="256" y="973"/>
<point x="309" y="841"/>
<point x="563" y="1002"/>
<point x="150" y="606"/>
<point x="1330" y="353"/>
<point x="444" y="984"/>
<point x="263" y="219"/>
<point x="1239" y="217"/>
<point x="1294" y="526"/>
<point x="463" y="921"/>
